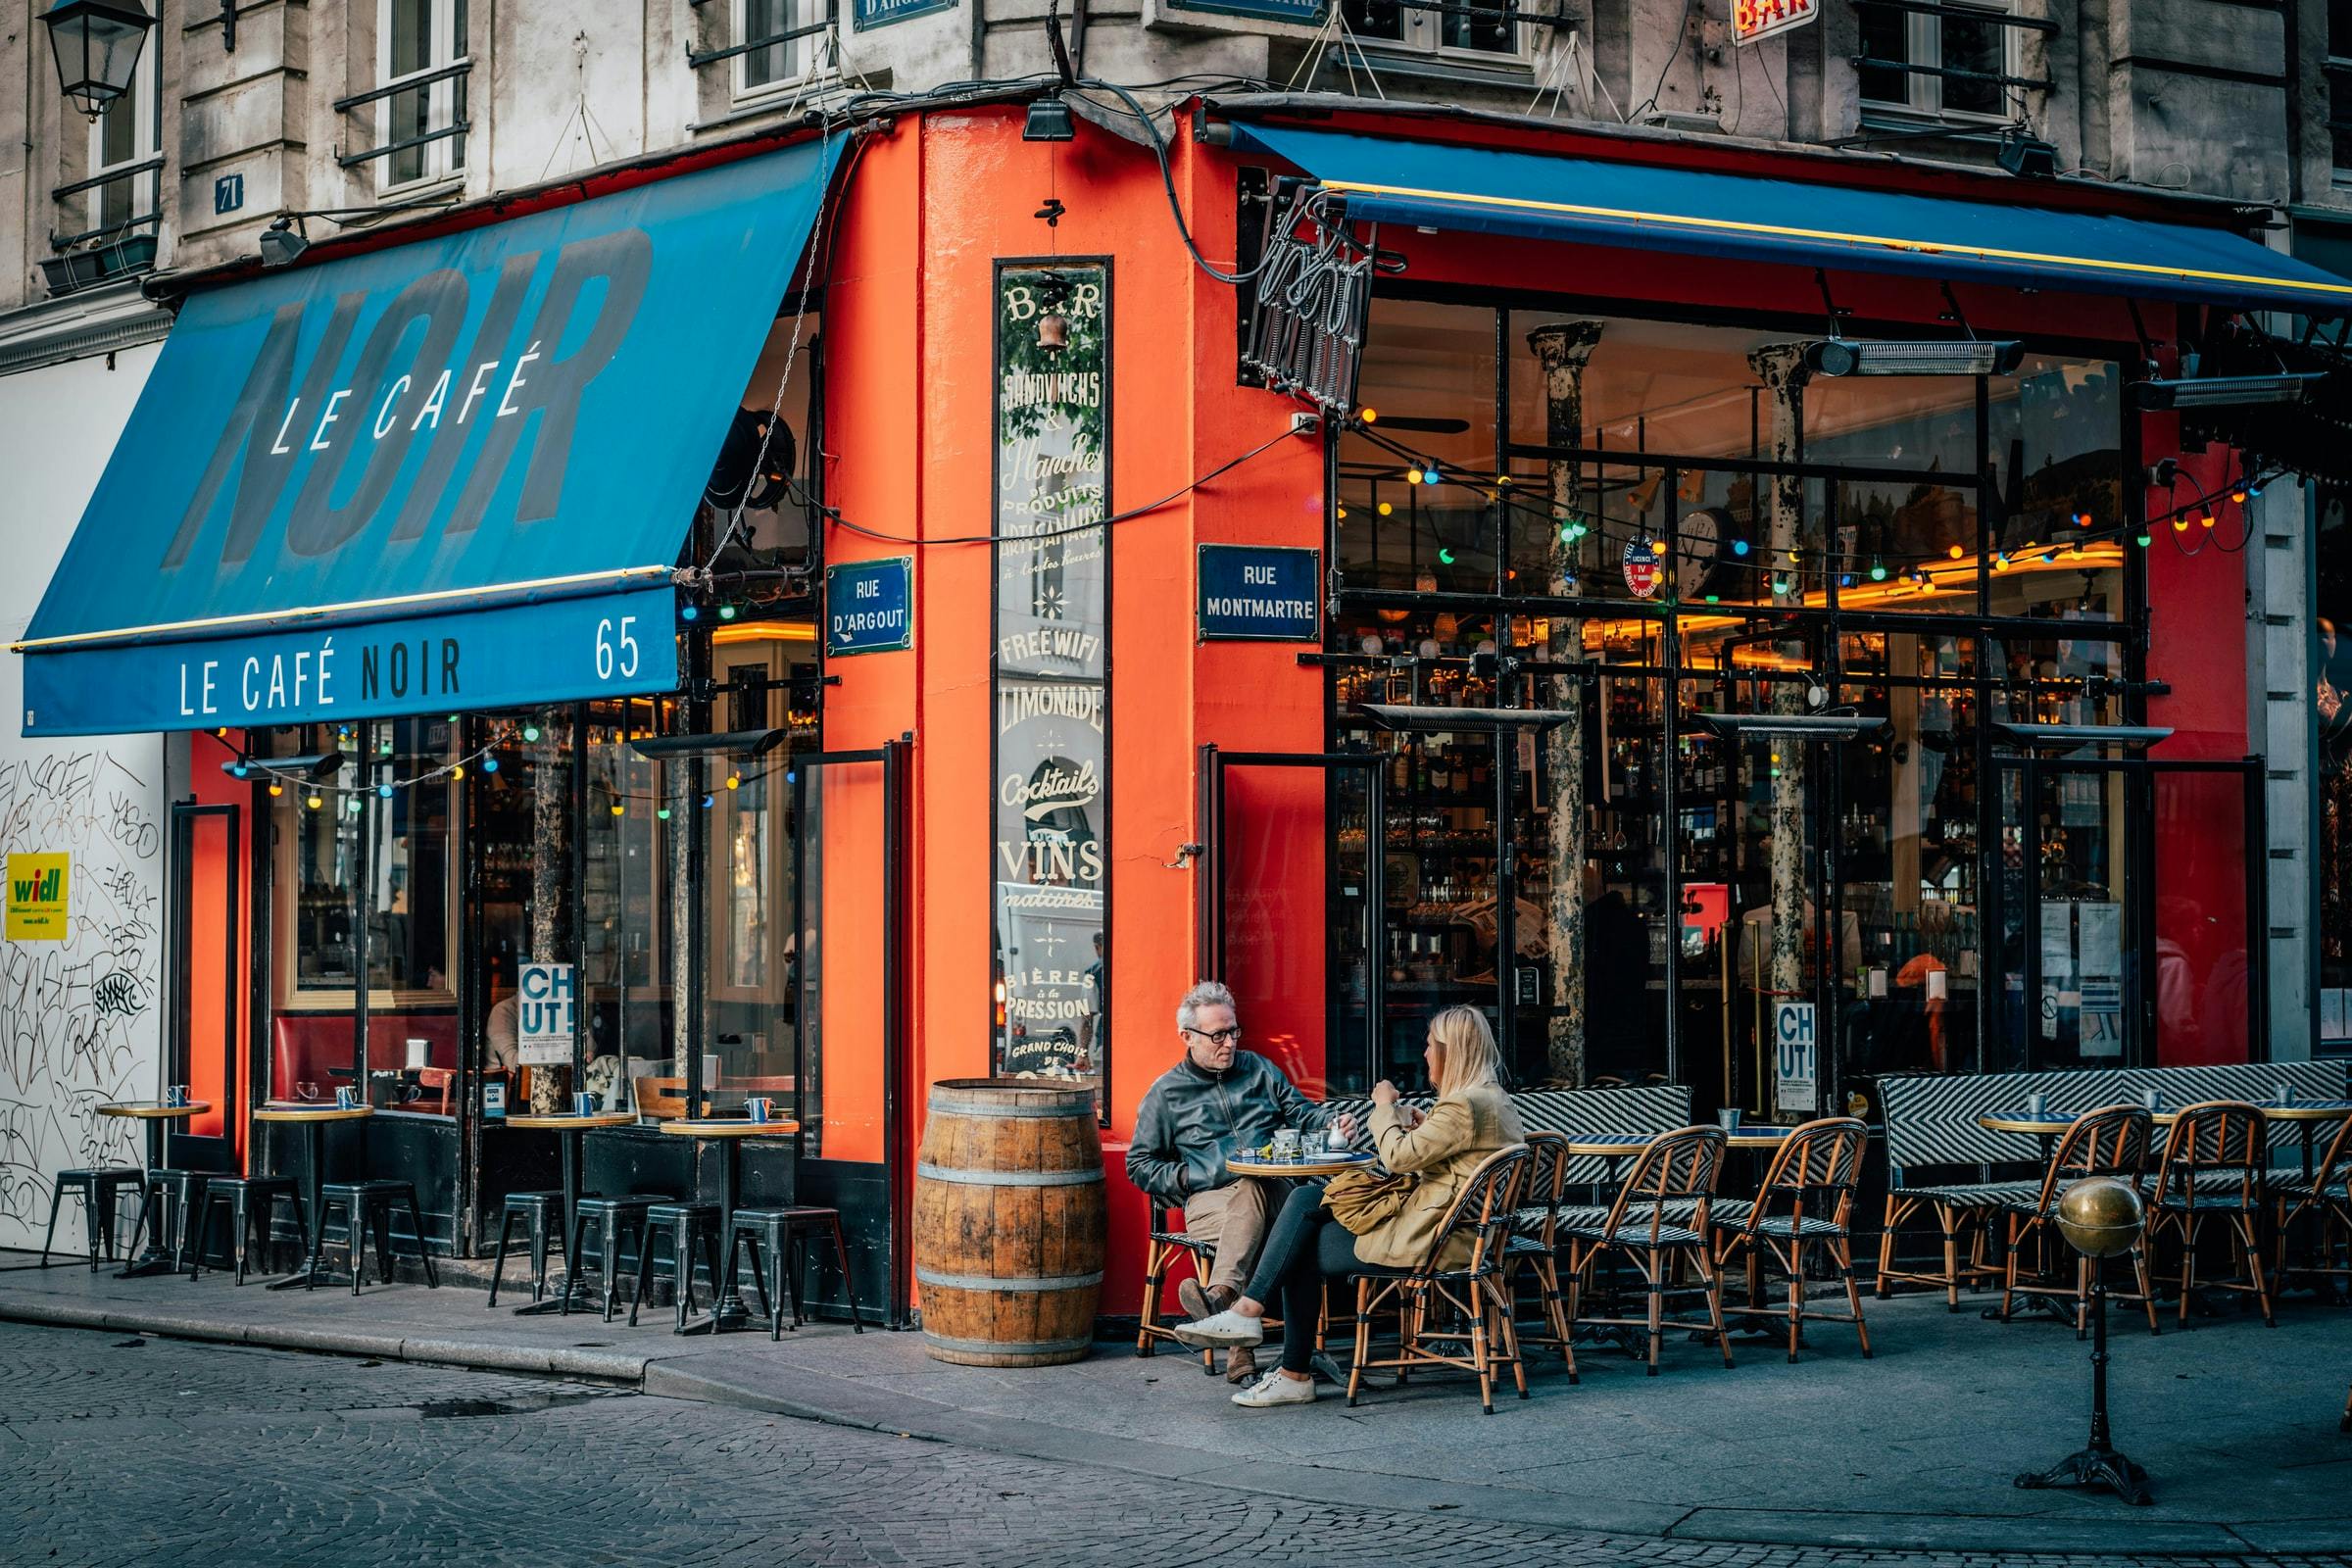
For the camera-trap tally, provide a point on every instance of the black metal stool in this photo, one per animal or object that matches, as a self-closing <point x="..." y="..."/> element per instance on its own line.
<point x="182" y="1193"/>
<point x="539" y="1212"/>
<point x="360" y="1203"/>
<point x="686" y="1223"/>
<point x="239" y="1194"/>
<point x="96" y="1187"/>
<point x="785" y="1233"/>
<point x="609" y="1216"/>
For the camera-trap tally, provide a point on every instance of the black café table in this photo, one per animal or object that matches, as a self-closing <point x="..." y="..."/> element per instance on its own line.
<point x="159" y="1118"/>
<point x="570" y="1127"/>
<point x="312" y="1120"/>
<point x="729" y="1132"/>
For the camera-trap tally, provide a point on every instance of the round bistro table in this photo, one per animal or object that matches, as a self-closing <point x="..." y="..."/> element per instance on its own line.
<point x="1305" y="1167"/>
<point x="570" y="1127"/>
<point x="159" y="1118"/>
<point x="727" y="1313"/>
<point x="312" y="1120"/>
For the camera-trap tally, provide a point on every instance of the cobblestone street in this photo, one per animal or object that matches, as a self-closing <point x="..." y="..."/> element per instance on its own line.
<point x="127" y="1450"/>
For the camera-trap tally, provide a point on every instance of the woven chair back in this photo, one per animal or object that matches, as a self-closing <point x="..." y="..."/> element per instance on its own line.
<point x="2112" y="1141"/>
<point x="2221" y="1136"/>
<point x="1484" y="1210"/>
<point x="1815" y="1172"/>
<point x="1673" y="1169"/>
<point x="1547" y="1165"/>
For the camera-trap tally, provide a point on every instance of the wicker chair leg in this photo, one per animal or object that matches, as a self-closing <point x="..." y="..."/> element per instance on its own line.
<point x="1480" y="1356"/>
<point x="2009" y="1270"/>
<point x="2243" y="1225"/>
<point x="1894" y="1217"/>
<point x="1658" y="1311"/>
<point x="1948" y="1220"/>
<point x="1149" y="1312"/>
<point x="1843" y="1252"/>
<point x="1796" y="1296"/>
<point x="2188" y="1267"/>
<point x="1712" y="1280"/>
<point x="2147" y="1288"/>
<point x="1363" y="1338"/>
<point x="1507" y="1330"/>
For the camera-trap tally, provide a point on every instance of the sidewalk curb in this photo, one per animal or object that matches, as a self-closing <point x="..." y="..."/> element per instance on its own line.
<point x="829" y="1401"/>
<point x="434" y="1349"/>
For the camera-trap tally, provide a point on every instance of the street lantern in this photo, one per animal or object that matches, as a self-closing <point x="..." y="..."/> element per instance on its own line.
<point x="97" y="46"/>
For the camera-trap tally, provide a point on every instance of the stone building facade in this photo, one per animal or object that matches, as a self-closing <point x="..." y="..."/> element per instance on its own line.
<point x="246" y="114"/>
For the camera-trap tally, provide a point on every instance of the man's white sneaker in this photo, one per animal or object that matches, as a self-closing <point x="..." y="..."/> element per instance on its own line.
<point x="1275" y="1388"/>
<point x="1221" y="1328"/>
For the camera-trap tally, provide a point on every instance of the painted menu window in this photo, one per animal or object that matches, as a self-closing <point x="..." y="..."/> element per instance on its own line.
<point x="1052" y="403"/>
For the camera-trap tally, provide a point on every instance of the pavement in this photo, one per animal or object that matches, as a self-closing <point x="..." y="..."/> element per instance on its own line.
<point x="1832" y="1459"/>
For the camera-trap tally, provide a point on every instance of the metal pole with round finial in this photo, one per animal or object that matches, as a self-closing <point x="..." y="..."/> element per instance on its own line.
<point x="2099" y="1217"/>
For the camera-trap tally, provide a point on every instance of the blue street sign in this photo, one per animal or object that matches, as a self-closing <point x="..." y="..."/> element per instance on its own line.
<point x="229" y="194"/>
<point x="1302" y="13"/>
<point x="864" y="14"/>
<point x="1260" y="593"/>
<point x="869" y="607"/>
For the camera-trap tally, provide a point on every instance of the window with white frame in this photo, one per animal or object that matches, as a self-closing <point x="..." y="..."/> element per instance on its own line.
<point x="1955" y="62"/>
<point x="1441" y="27"/>
<point x="791" y="39"/>
<point x="423" y="40"/>
<point x="127" y="134"/>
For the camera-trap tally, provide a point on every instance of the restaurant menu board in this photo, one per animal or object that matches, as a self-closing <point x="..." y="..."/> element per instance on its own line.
<point x="1049" y="664"/>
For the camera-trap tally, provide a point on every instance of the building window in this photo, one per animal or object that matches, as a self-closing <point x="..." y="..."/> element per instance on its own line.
<point x="2338" y="67"/>
<point x="790" y="35"/>
<point x="125" y="137"/>
<point x="420" y="39"/>
<point x="1940" y="65"/>
<point x="1479" y="27"/>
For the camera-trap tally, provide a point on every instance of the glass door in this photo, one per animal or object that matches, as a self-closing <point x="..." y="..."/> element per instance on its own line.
<point x="2071" y="928"/>
<point x="838" y="985"/>
<point x="208" y="982"/>
<point x="1291" y="917"/>
<point x="2128" y="895"/>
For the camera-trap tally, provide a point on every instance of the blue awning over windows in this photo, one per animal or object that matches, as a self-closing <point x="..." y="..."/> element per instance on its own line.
<point x="1744" y="216"/>
<point x="449" y="474"/>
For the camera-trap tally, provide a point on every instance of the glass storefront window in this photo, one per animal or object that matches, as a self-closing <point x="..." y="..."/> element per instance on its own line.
<point x="1637" y="457"/>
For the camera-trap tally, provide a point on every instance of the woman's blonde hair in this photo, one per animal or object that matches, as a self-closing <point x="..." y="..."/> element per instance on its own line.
<point x="1467" y="1057"/>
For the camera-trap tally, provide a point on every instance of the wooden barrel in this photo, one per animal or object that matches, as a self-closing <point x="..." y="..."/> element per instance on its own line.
<point x="1009" y="1222"/>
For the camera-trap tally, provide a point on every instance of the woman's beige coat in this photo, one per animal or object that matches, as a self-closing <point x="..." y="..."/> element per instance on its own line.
<point x="1460" y="1132"/>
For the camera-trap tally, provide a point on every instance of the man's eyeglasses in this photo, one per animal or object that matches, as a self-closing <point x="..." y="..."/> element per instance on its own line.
<point x="1217" y="1037"/>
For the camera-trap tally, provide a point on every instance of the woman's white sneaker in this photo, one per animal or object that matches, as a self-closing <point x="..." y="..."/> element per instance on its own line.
<point x="1220" y="1329"/>
<point x="1276" y="1389"/>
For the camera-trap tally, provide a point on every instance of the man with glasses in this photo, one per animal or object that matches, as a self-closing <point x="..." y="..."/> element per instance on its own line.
<point x="1216" y="1100"/>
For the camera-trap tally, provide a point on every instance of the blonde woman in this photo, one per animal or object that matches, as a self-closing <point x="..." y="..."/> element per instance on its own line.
<point x="1472" y="1118"/>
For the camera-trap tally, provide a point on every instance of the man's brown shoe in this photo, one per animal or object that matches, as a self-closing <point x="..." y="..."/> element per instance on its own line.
<point x="1199" y="1303"/>
<point x="1241" y="1364"/>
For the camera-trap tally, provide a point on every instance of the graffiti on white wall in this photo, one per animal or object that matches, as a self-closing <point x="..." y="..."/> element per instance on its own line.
<point x="79" y="1017"/>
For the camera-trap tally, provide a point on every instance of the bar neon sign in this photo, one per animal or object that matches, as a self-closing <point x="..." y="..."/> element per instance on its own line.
<point x="1753" y="21"/>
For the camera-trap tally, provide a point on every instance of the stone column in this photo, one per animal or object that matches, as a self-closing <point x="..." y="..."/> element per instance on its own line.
<point x="552" y="763"/>
<point x="1563" y="349"/>
<point x="1781" y="366"/>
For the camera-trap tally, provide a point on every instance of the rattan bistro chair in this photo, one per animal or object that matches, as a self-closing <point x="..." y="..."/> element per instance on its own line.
<point x="1169" y="1243"/>
<point x="1536" y="1239"/>
<point x="2326" y="1198"/>
<point x="1674" y="1176"/>
<point x="1806" y="1201"/>
<point x="1466" y="1307"/>
<point x="2213" y="1167"/>
<point x="2112" y="1142"/>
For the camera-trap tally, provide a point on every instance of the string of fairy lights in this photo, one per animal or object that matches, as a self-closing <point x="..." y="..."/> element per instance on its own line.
<point x="315" y="792"/>
<point x="2193" y="526"/>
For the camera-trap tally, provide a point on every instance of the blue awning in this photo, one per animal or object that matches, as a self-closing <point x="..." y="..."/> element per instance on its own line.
<point x="1744" y="216"/>
<point x="451" y="473"/>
